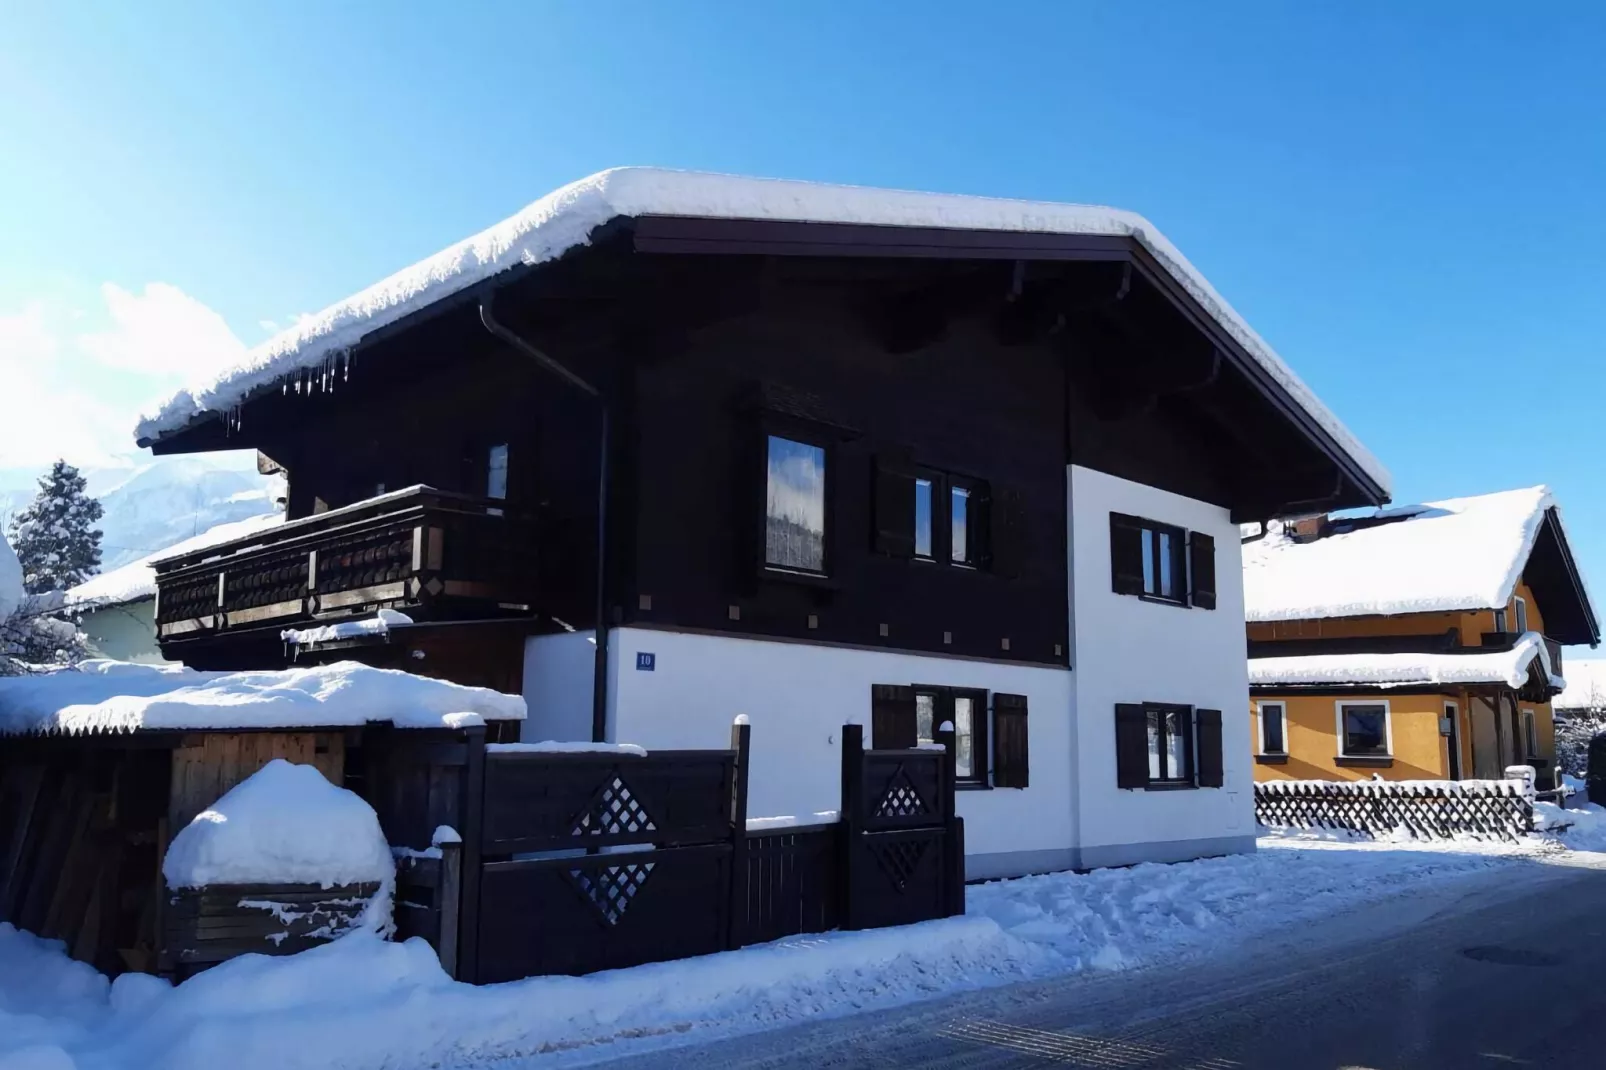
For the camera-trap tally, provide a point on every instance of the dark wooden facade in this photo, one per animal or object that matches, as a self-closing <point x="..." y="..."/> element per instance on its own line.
<point x="996" y="359"/>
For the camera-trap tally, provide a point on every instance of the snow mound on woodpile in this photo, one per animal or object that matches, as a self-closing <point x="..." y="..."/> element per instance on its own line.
<point x="284" y="824"/>
<point x="115" y="696"/>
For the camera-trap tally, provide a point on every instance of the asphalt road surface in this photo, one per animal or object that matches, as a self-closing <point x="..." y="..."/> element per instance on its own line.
<point x="1505" y="970"/>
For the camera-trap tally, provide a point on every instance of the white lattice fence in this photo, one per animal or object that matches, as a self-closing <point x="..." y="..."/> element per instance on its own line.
<point x="1431" y="809"/>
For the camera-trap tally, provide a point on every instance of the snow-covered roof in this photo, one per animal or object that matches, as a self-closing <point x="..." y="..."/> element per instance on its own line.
<point x="284" y="824"/>
<point x="117" y="696"/>
<point x="137" y="579"/>
<point x="1508" y="667"/>
<point x="11" y="590"/>
<point x="1463" y="553"/>
<point x="1586" y="685"/>
<point x="567" y="217"/>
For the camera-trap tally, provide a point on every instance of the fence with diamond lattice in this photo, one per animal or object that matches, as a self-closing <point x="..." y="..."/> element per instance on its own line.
<point x="1501" y="809"/>
<point x="579" y="861"/>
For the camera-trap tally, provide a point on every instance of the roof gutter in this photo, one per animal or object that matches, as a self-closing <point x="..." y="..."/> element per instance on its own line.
<point x="599" y="677"/>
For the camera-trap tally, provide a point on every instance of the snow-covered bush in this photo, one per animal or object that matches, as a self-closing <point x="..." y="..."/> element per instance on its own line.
<point x="1572" y="739"/>
<point x="54" y="538"/>
<point x="32" y="634"/>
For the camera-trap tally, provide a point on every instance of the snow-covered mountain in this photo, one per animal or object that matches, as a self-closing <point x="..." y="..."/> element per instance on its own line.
<point x="152" y="505"/>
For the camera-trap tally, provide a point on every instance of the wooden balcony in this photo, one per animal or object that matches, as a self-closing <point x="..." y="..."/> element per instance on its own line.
<point x="428" y="553"/>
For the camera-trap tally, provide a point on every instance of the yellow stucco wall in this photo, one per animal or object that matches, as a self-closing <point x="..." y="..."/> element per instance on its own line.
<point x="1312" y="731"/>
<point x="1420" y="752"/>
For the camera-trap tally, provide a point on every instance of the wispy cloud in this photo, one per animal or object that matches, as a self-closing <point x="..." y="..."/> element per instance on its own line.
<point x="77" y="369"/>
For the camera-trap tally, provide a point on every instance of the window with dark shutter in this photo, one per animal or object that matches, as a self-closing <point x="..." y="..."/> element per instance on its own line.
<point x="1150" y="559"/>
<point x="1131" y="746"/>
<point x="1011" y="765"/>
<point x="1126" y="554"/>
<point x="1202" y="569"/>
<point x="892" y="717"/>
<point x="1207" y="729"/>
<point x="1003" y="519"/>
<point x="894" y="506"/>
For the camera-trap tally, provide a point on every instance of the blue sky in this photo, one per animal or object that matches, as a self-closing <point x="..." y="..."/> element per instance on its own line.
<point x="1405" y="202"/>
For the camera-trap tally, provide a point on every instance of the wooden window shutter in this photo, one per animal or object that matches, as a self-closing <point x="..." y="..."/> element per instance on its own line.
<point x="892" y="717"/>
<point x="1202" y="569"/>
<point x="1011" y="751"/>
<point x="1131" y="746"/>
<point x="1207" y="733"/>
<point x="1006" y="537"/>
<point x="894" y="506"/>
<point x="1126" y="555"/>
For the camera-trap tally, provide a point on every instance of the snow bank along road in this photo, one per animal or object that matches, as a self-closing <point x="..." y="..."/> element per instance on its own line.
<point x="1202" y="964"/>
<point x="1499" y="967"/>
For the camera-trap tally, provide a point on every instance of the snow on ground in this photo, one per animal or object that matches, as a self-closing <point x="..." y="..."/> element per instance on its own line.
<point x="567" y="218"/>
<point x="363" y="1003"/>
<point x="115" y="696"/>
<point x="284" y="824"/>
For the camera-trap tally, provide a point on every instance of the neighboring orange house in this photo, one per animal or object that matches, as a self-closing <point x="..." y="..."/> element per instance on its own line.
<point x="1421" y="642"/>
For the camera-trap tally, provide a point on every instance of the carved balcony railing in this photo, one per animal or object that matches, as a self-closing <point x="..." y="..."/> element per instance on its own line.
<point x="432" y="554"/>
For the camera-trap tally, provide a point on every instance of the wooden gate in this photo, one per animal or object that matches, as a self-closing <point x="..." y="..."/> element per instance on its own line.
<point x="903" y="847"/>
<point x="595" y="861"/>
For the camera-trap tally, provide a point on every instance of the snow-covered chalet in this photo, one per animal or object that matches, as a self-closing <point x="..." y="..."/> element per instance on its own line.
<point x="664" y="448"/>
<point x="1421" y="642"/>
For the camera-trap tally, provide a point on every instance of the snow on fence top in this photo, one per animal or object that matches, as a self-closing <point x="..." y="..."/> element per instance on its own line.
<point x="137" y="579"/>
<point x="284" y="824"/>
<point x="115" y="696"/>
<point x="1464" y="553"/>
<point x="1509" y="667"/>
<point x="567" y="217"/>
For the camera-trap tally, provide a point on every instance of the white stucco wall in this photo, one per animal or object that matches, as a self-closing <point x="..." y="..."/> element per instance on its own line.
<point x="1130" y="650"/>
<point x="797" y="697"/>
<point x="557" y="686"/>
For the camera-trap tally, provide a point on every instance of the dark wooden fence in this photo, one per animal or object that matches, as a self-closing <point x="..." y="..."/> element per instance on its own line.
<point x="1500" y="809"/>
<point x="576" y="862"/>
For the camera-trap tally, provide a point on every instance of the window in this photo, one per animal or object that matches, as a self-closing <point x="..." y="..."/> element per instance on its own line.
<point x="965" y="722"/>
<point x="903" y="716"/>
<point x="1499" y="620"/>
<point x="929" y="515"/>
<point x="1363" y="730"/>
<point x="794" y="509"/>
<point x="923" y="529"/>
<point x="959" y="520"/>
<point x="1521" y="614"/>
<point x="1530" y="734"/>
<point x="1161" y="562"/>
<point x="1163" y="745"/>
<point x="1272" y="728"/>
<point x="1170" y="741"/>
<point x="496" y="472"/>
<point x="496" y="475"/>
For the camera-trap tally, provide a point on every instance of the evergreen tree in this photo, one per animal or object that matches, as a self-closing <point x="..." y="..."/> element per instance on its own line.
<point x="54" y="537"/>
